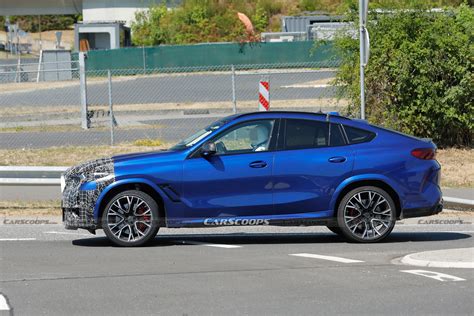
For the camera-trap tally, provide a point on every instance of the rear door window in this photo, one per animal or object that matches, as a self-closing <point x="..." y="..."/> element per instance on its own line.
<point x="301" y="134"/>
<point x="336" y="138"/>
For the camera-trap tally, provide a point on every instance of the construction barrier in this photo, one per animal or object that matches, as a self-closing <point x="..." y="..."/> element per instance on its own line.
<point x="264" y="95"/>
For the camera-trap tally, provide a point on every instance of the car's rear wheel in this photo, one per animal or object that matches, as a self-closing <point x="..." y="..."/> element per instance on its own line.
<point x="366" y="214"/>
<point x="335" y="229"/>
<point x="131" y="218"/>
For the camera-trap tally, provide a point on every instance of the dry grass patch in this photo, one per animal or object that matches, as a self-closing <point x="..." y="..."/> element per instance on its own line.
<point x="71" y="110"/>
<point x="457" y="167"/>
<point x="68" y="156"/>
<point x="30" y="208"/>
<point x="42" y="128"/>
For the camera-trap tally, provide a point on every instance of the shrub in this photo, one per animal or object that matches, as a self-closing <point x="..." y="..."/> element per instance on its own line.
<point x="419" y="78"/>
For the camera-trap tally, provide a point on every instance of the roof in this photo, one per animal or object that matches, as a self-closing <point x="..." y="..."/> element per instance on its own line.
<point x="264" y="113"/>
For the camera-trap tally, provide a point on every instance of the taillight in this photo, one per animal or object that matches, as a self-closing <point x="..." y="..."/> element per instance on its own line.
<point x="424" y="153"/>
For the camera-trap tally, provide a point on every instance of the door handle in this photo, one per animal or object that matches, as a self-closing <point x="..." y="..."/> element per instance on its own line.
<point x="337" y="159"/>
<point x="258" y="164"/>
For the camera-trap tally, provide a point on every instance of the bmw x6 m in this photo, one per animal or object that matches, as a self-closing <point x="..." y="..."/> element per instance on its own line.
<point x="264" y="168"/>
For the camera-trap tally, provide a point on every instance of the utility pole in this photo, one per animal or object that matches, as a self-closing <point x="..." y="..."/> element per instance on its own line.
<point x="364" y="45"/>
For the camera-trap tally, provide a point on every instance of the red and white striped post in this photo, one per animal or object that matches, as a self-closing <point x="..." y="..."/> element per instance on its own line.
<point x="264" y="95"/>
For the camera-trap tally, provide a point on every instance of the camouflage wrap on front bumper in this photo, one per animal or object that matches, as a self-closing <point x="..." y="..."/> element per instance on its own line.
<point x="78" y="205"/>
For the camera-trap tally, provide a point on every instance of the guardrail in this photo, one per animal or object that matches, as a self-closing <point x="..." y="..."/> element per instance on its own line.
<point x="25" y="175"/>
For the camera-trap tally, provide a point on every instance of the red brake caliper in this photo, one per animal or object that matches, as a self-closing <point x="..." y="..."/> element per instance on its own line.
<point x="141" y="226"/>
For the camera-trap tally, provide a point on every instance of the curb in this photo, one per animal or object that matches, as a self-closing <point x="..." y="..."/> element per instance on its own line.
<point x="410" y="260"/>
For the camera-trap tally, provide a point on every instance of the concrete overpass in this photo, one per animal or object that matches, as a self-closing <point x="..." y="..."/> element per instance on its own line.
<point x="91" y="10"/>
<point x="43" y="7"/>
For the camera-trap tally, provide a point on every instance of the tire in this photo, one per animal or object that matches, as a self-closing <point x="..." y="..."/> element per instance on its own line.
<point x="131" y="229"/>
<point x="366" y="214"/>
<point x="335" y="230"/>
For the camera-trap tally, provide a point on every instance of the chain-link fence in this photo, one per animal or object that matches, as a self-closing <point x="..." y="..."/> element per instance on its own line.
<point x="129" y="106"/>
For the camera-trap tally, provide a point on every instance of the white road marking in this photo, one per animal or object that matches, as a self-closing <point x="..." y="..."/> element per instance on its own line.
<point x="211" y="245"/>
<point x="330" y="258"/>
<point x="434" y="275"/>
<point x="16" y="239"/>
<point x="66" y="233"/>
<point x="4" y="304"/>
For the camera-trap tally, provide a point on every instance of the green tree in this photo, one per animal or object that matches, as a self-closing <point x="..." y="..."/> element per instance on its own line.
<point x="146" y="28"/>
<point x="419" y="78"/>
<point x="260" y="18"/>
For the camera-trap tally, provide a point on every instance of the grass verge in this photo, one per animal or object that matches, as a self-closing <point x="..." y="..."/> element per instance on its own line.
<point x="457" y="167"/>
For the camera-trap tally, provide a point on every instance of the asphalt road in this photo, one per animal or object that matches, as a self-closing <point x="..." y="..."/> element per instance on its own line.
<point x="228" y="271"/>
<point x="174" y="89"/>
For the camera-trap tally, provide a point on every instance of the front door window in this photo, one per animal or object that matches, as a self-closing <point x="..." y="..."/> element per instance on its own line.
<point x="245" y="138"/>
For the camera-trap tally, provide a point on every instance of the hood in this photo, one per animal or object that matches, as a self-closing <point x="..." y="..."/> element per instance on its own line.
<point x="144" y="158"/>
<point x="146" y="154"/>
<point x="88" y="167"/>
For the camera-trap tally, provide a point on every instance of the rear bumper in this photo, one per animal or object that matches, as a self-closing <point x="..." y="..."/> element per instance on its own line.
<point x="424" y="211"/>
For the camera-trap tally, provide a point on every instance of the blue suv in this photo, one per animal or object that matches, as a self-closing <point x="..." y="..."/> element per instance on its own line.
<point x="264" y="168"/>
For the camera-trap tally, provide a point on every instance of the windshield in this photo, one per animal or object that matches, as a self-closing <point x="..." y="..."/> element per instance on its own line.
<point x="196" y="137"/>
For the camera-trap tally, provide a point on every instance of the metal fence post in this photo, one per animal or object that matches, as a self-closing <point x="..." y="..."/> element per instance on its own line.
<point x="83" y="88"/>
<point x="234" y="98"/>
<point x="363" y="54"/>
<point x="111" y="109"/>
<point x="39" y="65"/>
<point x="19" y="68"/>
<point x="144" y="60"/>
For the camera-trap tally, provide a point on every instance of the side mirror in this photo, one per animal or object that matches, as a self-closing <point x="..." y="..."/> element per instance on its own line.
<point x="208" y="149"/>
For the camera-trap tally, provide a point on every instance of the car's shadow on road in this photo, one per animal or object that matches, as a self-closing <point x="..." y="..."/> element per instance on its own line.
<point x="277" y="238"/>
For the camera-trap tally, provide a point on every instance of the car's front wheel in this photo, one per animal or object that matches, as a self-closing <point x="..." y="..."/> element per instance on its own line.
<point x="131" y="218"/>
<point x="366" y="214"/>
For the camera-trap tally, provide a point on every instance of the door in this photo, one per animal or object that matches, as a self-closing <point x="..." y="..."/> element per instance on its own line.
<point x="312" y="162"/>
<point x="237" y="179"/>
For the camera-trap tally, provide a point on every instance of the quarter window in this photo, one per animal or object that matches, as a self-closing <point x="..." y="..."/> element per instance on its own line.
<point x="357" y="135"/>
